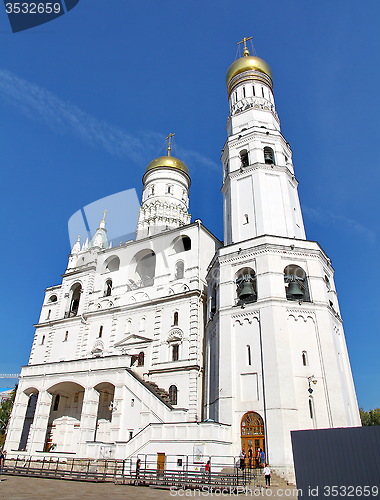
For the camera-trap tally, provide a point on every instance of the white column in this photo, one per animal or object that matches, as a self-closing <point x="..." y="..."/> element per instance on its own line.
<point x="88" y="418"/>
<point x="16" y="423"/>
<point x="38" y="429"/>
<point x="118" y="399"/>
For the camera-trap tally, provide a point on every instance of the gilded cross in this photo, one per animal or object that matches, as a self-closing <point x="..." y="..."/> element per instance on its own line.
<point x="245" y="48"/>
<point x="169" y="139"/>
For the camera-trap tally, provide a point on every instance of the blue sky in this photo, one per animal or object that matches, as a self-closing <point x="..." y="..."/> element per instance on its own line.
<point x="86" y="100"/>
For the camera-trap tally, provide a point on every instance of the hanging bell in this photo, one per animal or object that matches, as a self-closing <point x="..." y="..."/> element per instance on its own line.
<point x="295" y="291"/>
<point x="246" y="291"/>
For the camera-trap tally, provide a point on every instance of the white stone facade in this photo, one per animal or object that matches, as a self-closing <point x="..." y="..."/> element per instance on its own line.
<point x="174" y="340"/>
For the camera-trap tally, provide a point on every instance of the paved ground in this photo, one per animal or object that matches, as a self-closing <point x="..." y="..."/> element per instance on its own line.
<point x="28" y="488"/>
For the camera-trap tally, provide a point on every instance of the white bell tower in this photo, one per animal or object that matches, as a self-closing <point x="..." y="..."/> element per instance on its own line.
<point x="259" y="186"/>
<point x="276" y="356"/>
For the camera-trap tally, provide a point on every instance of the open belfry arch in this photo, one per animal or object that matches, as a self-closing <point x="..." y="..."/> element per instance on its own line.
<point x="179" y="341"/>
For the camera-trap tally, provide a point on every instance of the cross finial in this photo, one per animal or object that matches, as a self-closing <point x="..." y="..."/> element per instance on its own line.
<point x="104" y="214"/>
<point x="169" y="139"/>
<point x="245" y="48"/>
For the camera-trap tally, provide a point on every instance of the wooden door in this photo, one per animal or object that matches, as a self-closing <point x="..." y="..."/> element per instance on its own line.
<point x="160" y="462"/>
<point x="252" y="436"/>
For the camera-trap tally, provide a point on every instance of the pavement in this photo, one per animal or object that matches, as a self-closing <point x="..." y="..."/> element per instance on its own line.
<point x="32" y="488"/>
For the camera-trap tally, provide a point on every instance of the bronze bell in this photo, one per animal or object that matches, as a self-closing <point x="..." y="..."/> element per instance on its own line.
<point x="295" y="291"/>
<point x="246" y="291"/>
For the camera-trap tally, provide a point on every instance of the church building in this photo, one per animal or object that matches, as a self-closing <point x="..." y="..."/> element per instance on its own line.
<point x="176" y="341"/>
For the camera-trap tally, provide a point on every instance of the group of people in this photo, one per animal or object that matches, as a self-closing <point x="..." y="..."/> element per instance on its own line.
<point x="259" y="462"/>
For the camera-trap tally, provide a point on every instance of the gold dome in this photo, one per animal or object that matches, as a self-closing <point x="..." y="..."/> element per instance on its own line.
<point x="247" y="63"/>
<point x="168" y="162"/>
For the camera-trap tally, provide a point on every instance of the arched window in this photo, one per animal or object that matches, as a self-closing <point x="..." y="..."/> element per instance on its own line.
<point x="183" y="244"/>
<point x="108" y="288"/>
<point x="213" y="301"/>
<point x="152" y="190"/>
<point x="128" y="326"/>
<point x="246" y="286"/>
<point x="179" y="270"/>
<point x="75" y="292"/>
<point x="112" y="264"/>
<point x="269" y="155"/>
<point x="246" y="219"/>
<point x="304" y="358"/>
<point x="53" y="298"/>
<point x="249" y="358"/>
<point x="175" y="318"/>
<point x="296" y="283"/>
<point x="175" y="352"/>
<point x="57" y="397"/>
<point x="244" y="158"/>
<point x="140" y="359"/>
<point x="173" y="394"/>
<point x="145" y="268"/>
<point x="142" y="324"/>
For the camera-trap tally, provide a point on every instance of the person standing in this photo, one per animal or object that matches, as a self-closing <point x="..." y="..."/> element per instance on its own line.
<point x="258" y="457"/>
<point x="242" y="459"/>
<point x="2" y="460"/>
<point x="267" y="473"/>
<point x="250" y="456"/>
<point x="262" y="458"/>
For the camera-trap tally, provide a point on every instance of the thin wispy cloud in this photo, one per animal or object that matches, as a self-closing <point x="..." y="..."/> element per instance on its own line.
<point x="40" y="104"/>
<point x="328" y="218"/>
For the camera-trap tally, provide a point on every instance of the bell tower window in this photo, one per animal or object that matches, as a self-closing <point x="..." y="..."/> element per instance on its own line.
<point x="296" y="283"/>
<point x="246" y="287"/>
<point x="268" y="155"/>
<point x="244" y="158"/>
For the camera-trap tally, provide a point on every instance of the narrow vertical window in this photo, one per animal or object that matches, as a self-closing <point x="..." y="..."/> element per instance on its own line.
<point x="57" y="397"/>
<point x="175" y="319"/>
<point x="152" y="190"/>
<point x="100" y="332"/>
<point x="304" y="358"/>
<point x="130" y="435"/>
<point x="311" y="409"/>
<point x="48" y="314"/>
<point x="43" y="340"/>
<point x="66" y="336"/>
<point x="173" y="394"/>
<point x="243" y="91"/>
<point x="235" y="95"/>
<point x="262" y="91"/>
<point x="140" y="359"/>
<point x="246" y="219"/>
<point x="249" y="354"/>
<point x="253" y="91"/>
<point x="175" y="352"/>
<point x="108" y="288"/>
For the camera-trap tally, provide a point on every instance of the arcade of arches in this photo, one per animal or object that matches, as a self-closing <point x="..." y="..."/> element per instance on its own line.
<point x="66" y="403"/>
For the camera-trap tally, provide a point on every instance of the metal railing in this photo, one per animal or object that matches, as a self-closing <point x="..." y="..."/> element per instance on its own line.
<point x="176" y="471"/>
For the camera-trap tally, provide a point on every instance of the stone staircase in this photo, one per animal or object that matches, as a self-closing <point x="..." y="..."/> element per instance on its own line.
<point x="161" y="393"/>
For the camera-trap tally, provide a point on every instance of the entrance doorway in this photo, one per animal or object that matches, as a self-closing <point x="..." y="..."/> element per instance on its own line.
<point x="160" y="463"/>
<point x="252" y="436"/>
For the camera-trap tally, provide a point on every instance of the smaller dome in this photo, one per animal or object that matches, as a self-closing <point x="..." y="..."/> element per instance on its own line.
<point x="167" y="162"/>
<point x="247" y="63"/>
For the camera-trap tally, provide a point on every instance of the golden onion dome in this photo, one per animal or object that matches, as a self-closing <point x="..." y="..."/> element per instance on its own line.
<point x="167" y="162"/>
<point x="248" y="63"/>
